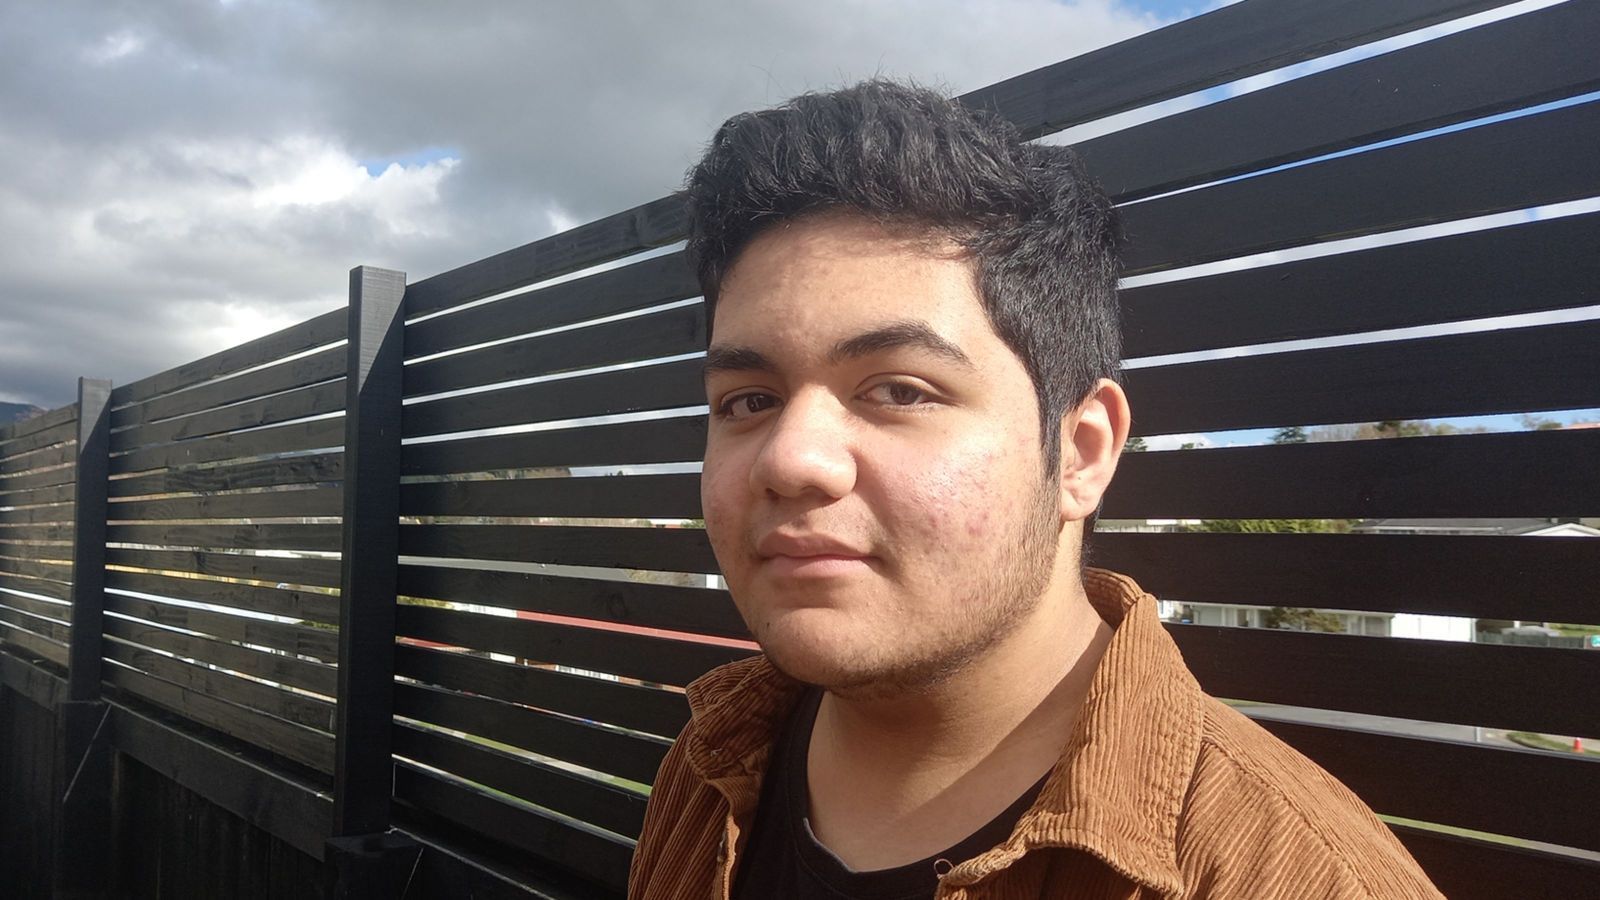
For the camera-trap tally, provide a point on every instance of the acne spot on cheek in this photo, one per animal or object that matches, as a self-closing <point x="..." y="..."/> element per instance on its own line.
<point x="978" y="525"/>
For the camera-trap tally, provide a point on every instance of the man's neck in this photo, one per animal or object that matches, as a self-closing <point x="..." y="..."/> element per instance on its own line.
<point x="895" y="779"/>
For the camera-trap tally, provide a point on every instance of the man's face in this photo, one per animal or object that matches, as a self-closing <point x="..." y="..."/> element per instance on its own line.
<point x="873" y="483"/>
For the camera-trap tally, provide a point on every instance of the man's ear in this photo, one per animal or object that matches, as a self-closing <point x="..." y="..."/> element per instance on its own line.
<point x="1092" y="436"/>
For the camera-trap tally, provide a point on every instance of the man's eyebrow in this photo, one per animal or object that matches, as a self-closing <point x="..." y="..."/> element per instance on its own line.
<point x="910" y="333"/>
<point x="736" y="359"/>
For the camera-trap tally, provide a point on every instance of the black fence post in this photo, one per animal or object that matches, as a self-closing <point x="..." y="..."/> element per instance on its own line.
<point x="364" y="859"/>
<point x="83" y="824"/>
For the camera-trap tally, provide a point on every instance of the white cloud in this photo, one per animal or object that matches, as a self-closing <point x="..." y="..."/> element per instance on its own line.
<point x="1175" y="441"/>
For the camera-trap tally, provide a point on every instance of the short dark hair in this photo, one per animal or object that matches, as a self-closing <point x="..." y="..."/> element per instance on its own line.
<point x="1042" y="233"/>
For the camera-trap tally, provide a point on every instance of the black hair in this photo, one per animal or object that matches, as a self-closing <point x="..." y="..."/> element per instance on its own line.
<point x="1042" y="234"/>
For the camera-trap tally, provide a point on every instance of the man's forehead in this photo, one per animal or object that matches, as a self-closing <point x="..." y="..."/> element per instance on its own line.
<point x="903" y="334"/>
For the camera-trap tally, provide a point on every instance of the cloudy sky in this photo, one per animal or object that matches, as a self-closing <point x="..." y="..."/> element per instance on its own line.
<point x="176" y="177"/>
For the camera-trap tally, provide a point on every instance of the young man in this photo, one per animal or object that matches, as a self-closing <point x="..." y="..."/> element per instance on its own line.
<point x="914" y="410"/>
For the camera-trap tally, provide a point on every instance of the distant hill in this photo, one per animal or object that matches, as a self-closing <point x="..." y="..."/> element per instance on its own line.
<point x="16" y="412"/>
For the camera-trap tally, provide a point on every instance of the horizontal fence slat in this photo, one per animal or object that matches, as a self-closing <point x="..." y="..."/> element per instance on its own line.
<point x="618" y="703"/>
<point x="43" y="687"/>
<point x="31" y="643"/>
<point x="61" y="612"/>
<point x="60" y="493"/>
<point x="299" y="403"/>
<point x="646" y="657"/>
<point x="35" y="515"/>
<point x="634" y="757"/>
<point x="691" y="609"/>
<point x="298" y="813"/>
<point x="1541" y="579"/>
<point x="36" y="569"/>
<point x="1474" y="73"/>
<point x="1438" y="681"/>
<point x="58" y="475"/>
<point x="663" y="549"/>
<point x="236" y="537"/>
<point x="678" y="439"/>
<point x="13" y="616"/>
<point x="630" y="497"/>
<point x="284" y="669"/>
<point x="305" y="746"/>
<point x="600" y="857"/>
<point x="1507" y="165"/>
<point x="598" y="803"/>
<point x="45" y="420"/>
<point x="321" y="366"/>
<point x="1406" y="478"/>
<point x="1530" y="267"/>
<point x="65" y="432"/>
<point x="310" y="469"/>
<point x="1464" y="868"/>
<point x="53" y="455"/>
<point x="653" y="336"/>
<point x="1221" y="46"/>
<point x="277" y="439"/>
<point x="646" y="388"/>
<point x="308" y="712"/>
<point x="298" y="338"/>
<point x="306" y="503"/>
<point x="56" y="590"/>
<point x="321" y="643"/>
<point x="306" y="605"/>
<point x="1503" y="790"/>
<point x="644" y="227"/>
<point x="278" y="570"/>
<point x="660" y="279"/>
<point x="1513" y="370"/>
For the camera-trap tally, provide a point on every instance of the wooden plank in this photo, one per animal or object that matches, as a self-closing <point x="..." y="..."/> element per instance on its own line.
<point x="1502" y="790"/>
<point x="636" y="604"/>
<point x="60" y="493"/>
<point x="635" y="757"/>
<point x="646" y="657"/>
<point x="667" y="333"/>
<point x="56" y="590"/>
<point x="296" y="812"/>
<point x="89" y="544"/>
<point x="59" y="612"/>
<point x="50" y="419"/>
<point x="311" y="469"/>
<point x="36" y="515"/>
<point x="308" y="747"/>
<point x="315" y="332"/>
<point x="299" y="403"/>
<point x="294" y="437"/>
<point x="16" y="618"/>
<point x="37" y="569"/>
<point x="650" y="282"/>
<point x="591" y="853"/>
<point x="1543" y="579"/>
<point x="1463" y="868"/>
<point x="1436" y="477"/>
<point x="321" y="366"/>
<point x="57" y="475"/>
<point x="1530" y="267"/>
<point x="1436" y="681"/>
<point x="1221" y="46"/>
<point x="679" y="439"/>
<point x="14" y="544"/>
<point x="324" y="502"/>
<point x="1513" y="164"/>
<point x="1509" y="371"/>
<point x="61" y="433"/>
<point x="301" y="640"/>
<point x="53" y="455"/>
<point x="273" y="569"/>
<point x="662" y="549"/>
<point x="1459" y="77"/>
<point x="628" y="497"/>
<point x="599" y="803"/>
<point x="302" y="710"/>
<point x="300" y="673"/>
<point x="644" y="227"/>
<point x="631" y="706"/>
<point x="234" y="537"/>
<point x="663" y="386"/>
<point x="33" y="644"/>
<point x="42" y="687"/>
<point x="310" y="606"/>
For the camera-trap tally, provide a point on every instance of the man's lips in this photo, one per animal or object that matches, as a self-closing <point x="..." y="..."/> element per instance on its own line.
<point x="810" y="556"/>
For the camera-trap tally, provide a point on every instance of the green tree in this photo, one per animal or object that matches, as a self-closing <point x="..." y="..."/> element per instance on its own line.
<point x="1302" y="620"/>
<point x="1292" y="434"/>
<point x="1134" y="445"/>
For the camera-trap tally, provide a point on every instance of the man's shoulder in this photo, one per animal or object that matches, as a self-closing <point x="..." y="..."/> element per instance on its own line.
<point x="1262" y="815"/>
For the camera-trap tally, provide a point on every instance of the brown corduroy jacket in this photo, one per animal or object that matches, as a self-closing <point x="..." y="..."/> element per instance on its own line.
<point x="1161" y="791"/>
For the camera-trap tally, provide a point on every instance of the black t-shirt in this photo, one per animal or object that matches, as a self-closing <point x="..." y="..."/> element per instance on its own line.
<point x="784" y="861"/>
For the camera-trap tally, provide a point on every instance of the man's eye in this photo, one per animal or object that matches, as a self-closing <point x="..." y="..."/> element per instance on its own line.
<point x="743" y="406"/>
<point x="897" y="393"/>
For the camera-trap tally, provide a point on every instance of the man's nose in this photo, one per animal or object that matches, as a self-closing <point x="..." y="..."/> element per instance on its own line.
<point x="808" y="449"/>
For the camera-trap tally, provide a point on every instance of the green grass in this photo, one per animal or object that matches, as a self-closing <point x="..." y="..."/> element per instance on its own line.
<point x="1540" y="742"/>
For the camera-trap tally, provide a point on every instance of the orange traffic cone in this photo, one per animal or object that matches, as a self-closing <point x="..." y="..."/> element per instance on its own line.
<point x="1577" y="745"/>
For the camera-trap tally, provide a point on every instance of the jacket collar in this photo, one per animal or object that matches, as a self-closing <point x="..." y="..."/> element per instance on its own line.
<point x="1116" y="793"/>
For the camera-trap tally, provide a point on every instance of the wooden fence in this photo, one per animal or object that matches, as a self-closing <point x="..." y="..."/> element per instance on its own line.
<point x="210" y="689"/>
